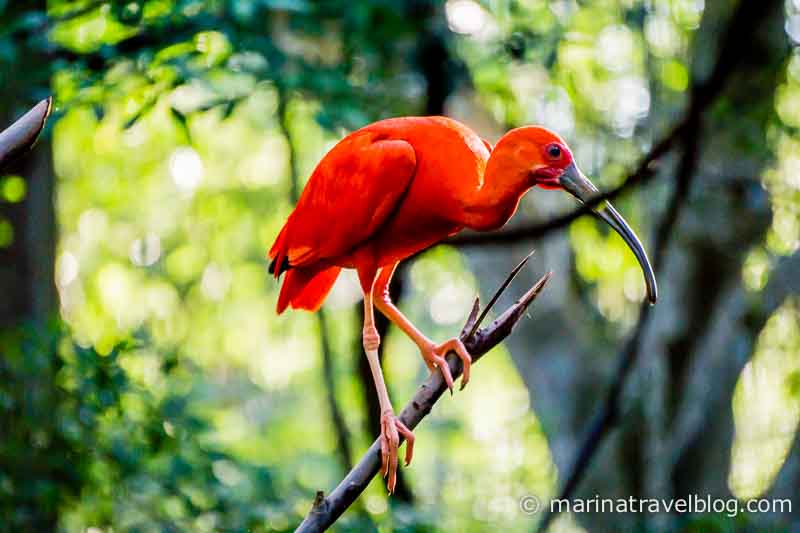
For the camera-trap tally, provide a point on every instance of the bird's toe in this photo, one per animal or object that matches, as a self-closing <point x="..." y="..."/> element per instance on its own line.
<point x="455" y="345"/>
<point x="392" y="428"/>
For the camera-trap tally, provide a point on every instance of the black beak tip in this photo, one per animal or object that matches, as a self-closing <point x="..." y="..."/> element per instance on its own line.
<point x="652" y="295"/>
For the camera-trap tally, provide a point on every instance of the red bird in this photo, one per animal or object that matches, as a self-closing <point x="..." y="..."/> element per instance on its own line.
<point x="396" y="187"/>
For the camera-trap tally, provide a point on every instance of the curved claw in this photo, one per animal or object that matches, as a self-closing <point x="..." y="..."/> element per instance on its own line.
<point x="391" y="429"/>
<point x="409" y="436"/>
<point x="435" y="358"/>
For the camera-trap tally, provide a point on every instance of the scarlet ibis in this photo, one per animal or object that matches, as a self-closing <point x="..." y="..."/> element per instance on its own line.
<point x="397" y="186"/>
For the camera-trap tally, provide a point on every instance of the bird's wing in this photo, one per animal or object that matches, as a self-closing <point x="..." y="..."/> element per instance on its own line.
<point x="351" y="193"/>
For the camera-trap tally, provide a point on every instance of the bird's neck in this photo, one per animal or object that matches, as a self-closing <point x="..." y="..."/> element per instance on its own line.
<point x="505" y="182"/>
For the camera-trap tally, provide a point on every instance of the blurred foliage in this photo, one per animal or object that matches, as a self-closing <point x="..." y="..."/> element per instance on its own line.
<point x="169" y="396"/>
<point x="133" y="458"/>
<point x="766" y="405"/>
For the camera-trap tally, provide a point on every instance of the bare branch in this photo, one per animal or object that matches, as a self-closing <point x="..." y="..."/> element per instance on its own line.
<point x="20" y="136"/>
<point x="325" y="511"/>
<point x="497" y="294"/>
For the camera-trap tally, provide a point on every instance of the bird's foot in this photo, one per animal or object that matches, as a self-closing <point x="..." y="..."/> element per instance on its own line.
<point x="391" y="429"/>
<point x="434" y="356"/>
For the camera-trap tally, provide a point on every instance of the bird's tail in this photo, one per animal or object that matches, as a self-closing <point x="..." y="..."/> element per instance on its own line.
<point x="280" y="263"/>
<point x="307" y="287"/>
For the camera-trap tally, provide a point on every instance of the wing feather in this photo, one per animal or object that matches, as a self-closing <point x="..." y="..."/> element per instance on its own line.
<point x="352" y="192"/>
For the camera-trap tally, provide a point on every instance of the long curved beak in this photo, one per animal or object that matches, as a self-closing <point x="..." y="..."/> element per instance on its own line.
<point x="575" y="183"/>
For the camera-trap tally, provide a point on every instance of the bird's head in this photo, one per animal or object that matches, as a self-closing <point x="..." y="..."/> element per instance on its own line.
<point x="543" y="159"/>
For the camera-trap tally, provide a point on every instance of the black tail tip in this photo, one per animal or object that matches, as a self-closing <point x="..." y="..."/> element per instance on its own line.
<point x="283" y="268"/>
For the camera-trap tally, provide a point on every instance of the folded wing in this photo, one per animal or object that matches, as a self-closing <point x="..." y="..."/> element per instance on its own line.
<point x="351" y="194"/>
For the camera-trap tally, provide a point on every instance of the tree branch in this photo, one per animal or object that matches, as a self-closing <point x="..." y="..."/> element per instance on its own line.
<point x="325" y="511"/>
<point x="20" y="136"/>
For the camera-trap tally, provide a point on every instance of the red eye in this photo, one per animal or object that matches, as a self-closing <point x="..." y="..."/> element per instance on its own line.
<point x="554" y="151"/>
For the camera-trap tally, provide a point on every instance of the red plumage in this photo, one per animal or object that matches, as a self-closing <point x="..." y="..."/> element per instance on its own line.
<point x="307" y="287"/>
<point x="394" y="188"/>
<point x="381" y="194"/>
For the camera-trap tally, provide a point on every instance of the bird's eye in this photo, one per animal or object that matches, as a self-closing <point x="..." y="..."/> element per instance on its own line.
<point x="554" y="151"/>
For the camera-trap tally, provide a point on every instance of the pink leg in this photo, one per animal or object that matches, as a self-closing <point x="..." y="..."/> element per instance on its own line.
<point x="432" y="353"/>
<point x="391" y="426"/>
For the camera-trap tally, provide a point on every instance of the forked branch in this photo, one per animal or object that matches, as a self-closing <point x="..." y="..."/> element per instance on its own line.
<point x="326" y="510"/>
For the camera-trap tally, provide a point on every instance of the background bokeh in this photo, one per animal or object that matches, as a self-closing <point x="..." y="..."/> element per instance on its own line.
<point x="146" y="383"/>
